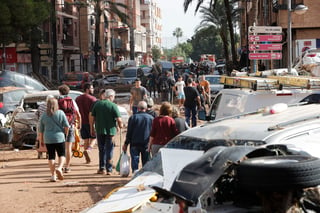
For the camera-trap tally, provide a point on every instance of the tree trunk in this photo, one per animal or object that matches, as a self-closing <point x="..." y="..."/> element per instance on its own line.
<point x="232" y="40"/>
<point x="96" y="36"/>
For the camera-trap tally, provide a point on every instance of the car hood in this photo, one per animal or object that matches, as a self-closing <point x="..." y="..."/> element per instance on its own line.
<point x="195" y="178"/>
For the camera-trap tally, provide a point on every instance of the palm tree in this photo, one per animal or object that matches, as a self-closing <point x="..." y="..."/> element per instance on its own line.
<point x="228" y="11"/>
<point x="110" y="7"/>
<point x="177" y="33"/>
<point x="215" y="18"/>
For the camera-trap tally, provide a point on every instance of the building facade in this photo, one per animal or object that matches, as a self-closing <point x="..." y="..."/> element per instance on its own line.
<point x="275" y="13"/>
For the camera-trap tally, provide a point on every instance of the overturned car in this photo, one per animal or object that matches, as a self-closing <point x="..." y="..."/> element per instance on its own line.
<point x="257" y="162"/>
<point x="222" y="180"/>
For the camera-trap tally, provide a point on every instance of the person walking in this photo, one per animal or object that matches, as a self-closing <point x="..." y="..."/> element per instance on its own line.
<point x="181" y="123"/>
<point x="53" y="126"/>
<point x="85" y="103"/>
<point x="149" y="110"/>
<point x="178" y="88"/>
<point x="192" y="101"/>
<point x="138" y="93"/>
<point x="206" y="89"/>
<point x="70" y="108"/>
<point x="138" y="133"/>
<point x="104" y="120"/>
<point x="163" y="129"/>
<point x="166" y="82"/>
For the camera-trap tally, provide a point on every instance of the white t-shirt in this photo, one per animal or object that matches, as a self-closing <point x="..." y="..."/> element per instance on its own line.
<point x="179" y="85"/>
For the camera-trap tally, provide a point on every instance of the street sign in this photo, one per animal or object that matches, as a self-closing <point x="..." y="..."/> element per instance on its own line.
<point x="260" y="38"/>
<point x="261" y="47"/>
<point x="265" y="29"/>
<point x="265" y="56"/>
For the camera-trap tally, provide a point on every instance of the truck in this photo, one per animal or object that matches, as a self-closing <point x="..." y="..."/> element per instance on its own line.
<point x="251" y="94"/>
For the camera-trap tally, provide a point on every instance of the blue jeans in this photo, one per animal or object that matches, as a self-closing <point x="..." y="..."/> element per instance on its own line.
<point x="191" y="113"/>
<point x="135" y="152"/>
<point x="134" y="109"/>
<point x="105" y="146"/>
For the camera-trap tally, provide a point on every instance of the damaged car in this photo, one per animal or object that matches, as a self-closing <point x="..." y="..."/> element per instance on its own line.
<point x="24" y="119"/>
<point x="267" y="161"/>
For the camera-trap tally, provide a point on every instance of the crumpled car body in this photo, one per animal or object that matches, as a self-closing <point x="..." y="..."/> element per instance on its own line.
<point x="24" y="119"/>
<point x="207" y="184"/>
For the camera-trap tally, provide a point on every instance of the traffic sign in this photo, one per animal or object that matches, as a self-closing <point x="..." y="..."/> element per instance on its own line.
<point x="260" y="38"/>
<point x="265" y="56"/>
<point x="265" y="29"/>
<point x="261" y="47"/>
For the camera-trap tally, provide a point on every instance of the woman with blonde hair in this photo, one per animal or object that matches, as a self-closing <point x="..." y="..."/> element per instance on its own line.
<point x="53" y="129"/>
<point x="163" y="129"/>
<point x="181" y="123"/>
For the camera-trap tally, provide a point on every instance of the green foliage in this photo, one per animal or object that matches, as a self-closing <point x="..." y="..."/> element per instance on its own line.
<point x="177" y="33"/>
<point x="156" y="53"/>
<point x="206" y="41"/>
<point x="18" y="18"/>
<point x="187" y="48"/>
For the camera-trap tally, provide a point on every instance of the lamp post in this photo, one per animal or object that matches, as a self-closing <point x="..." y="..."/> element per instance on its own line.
<point x="299" y="9"/>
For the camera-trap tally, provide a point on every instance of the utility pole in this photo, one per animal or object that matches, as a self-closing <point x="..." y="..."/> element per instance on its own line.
<point x="54" y="70"/>
<point x="132" y="50"/>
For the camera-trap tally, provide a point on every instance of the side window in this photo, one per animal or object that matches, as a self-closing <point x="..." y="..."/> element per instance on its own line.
<point x="214" y="107"/>
<point x="19" y="79"/>
<point x="16" y="96"/>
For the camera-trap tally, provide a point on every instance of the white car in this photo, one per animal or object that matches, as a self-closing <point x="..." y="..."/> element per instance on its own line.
<point x="222" y="166"/>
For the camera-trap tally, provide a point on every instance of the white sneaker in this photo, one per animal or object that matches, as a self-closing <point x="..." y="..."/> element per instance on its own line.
<point x="53" y="178"/>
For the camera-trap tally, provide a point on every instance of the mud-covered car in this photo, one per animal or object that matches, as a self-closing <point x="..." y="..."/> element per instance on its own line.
<point x="231" y="166"/>
<point x="24" y="120"/>
<point x="236" y="179"/>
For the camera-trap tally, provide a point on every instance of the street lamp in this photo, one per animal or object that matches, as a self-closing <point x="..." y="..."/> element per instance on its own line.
<point x="299" y="10"/>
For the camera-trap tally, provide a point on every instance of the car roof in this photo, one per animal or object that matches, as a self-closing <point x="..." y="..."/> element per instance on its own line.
<point x="256" y="126"/>
<point x="42" y="95"/>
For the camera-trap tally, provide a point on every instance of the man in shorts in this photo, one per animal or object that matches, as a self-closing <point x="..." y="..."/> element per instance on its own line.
<point x="178" y="88"/>
<point x="85" y="103"/>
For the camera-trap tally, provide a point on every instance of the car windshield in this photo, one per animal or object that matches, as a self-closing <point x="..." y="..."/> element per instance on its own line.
<point x="213" y="80"/>
<point x="129" y="73"/>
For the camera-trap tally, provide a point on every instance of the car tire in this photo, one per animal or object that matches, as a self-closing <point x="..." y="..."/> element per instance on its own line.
<point x="279" y="172"/>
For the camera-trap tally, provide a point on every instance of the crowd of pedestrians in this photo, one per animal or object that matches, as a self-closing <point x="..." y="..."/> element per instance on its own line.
<point x="99" y="121"/>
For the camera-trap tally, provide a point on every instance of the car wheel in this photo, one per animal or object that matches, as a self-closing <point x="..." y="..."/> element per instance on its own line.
<point x="279" y="172"/>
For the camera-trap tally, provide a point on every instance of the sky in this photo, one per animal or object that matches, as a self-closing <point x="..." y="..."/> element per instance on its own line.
<point x="173" y="16"/>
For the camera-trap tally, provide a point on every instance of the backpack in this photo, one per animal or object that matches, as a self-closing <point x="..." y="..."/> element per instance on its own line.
<point x="164" y="86"/>
<point x="66" y="105"/>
